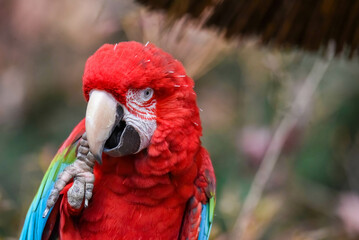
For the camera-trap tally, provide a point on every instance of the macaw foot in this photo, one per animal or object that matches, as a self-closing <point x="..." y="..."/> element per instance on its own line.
<point x="82" y="173"/>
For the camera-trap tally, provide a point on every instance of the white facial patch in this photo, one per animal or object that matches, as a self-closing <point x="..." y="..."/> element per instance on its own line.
<point x="140" y="112"/>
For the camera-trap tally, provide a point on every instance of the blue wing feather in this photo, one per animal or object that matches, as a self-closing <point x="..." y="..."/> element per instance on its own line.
<point x="204" y="226"/>
<point x="34" y="222"/>
<point x="206" y="220"/>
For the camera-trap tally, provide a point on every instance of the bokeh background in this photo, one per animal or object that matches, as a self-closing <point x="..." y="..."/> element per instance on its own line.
<point x="244" y="91"/>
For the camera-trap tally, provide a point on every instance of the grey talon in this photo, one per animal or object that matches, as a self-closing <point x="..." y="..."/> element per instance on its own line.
<point x="82" y="172"/>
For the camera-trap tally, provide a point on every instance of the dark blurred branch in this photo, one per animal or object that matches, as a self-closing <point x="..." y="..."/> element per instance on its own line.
<point x="298" y="23"/>
<point x="290" y="120"/>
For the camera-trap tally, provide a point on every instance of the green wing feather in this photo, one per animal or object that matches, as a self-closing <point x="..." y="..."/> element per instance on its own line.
<point x="34" y="223"/>
<point x="206" y="219"/>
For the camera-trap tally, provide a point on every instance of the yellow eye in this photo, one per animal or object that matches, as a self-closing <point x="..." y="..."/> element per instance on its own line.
<point x="147" y="94"/>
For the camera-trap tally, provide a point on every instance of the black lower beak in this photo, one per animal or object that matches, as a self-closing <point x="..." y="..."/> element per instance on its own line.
<point x="124" y="139"/>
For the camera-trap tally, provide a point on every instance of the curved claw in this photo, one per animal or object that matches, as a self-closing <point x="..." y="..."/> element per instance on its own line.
<point x="88" y="193"/>
<point x="63" y="179"/>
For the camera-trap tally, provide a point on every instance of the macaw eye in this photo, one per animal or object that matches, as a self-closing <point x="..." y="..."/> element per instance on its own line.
<point x="147" y="94"/>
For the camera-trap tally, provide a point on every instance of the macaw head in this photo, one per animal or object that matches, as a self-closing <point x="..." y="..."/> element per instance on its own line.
<point x="139" y="100"/>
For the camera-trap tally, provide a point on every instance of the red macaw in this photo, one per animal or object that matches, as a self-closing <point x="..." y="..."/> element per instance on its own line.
<point x="134" y="168"/>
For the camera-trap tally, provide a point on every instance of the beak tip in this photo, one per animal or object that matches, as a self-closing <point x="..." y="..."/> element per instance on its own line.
<point x="98" y="158"/>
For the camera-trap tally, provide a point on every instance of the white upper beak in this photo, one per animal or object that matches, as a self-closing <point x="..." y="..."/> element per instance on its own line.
<point x="100" y="120"/>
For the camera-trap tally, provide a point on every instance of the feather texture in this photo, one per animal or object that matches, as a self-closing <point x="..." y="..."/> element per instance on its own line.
<point x="198" y="218"/>
<point x="34" y="222"/>
<point x="206" y="219"/>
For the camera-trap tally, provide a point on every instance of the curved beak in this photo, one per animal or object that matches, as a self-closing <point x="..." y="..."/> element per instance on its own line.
<point x="100" y="120"/>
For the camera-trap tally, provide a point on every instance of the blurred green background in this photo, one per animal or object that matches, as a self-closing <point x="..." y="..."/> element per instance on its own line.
<point x="244" y="90"/>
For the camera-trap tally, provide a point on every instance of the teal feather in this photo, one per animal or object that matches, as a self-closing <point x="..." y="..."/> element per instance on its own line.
<point x="206" y="219"/>
<point x="34" y="223"/>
